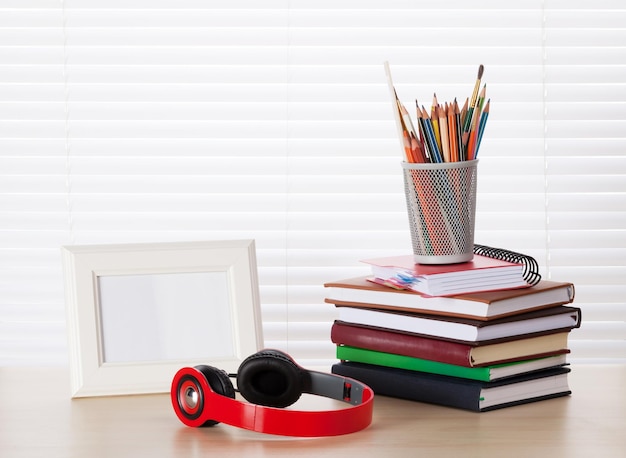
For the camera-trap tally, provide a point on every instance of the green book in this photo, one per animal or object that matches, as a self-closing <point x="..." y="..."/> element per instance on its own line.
<point x="486" y="374"/>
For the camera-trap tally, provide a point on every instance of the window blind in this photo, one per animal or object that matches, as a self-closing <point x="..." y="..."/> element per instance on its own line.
<point x="155" y="121"/>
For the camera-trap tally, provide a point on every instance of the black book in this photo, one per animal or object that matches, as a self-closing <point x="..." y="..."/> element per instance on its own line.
<point x="457" y="392"/>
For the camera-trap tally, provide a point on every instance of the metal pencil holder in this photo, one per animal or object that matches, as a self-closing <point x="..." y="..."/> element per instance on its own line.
<point x="441" y="205"/>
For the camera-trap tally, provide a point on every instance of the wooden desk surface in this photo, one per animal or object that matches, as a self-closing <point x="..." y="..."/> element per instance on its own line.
<point x="38" y="419"/>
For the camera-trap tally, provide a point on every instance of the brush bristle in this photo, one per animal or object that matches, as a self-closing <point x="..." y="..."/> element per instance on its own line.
<point x="481" y="69"/>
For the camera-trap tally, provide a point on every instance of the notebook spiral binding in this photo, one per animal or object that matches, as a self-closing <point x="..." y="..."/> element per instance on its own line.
<point x="531" y="268"/>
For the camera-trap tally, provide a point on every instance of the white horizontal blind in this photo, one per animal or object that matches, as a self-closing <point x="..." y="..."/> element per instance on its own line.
<point x="132" y="121"/>
<point x="33" y="210"/>
<point x="585" y="158"/>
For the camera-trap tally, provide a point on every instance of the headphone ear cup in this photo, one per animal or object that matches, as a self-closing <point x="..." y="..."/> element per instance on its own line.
<point x="219" y="382"/>
<point x="270" y="378"/>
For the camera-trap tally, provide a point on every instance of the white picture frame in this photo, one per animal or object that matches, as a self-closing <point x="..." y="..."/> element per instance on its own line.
<point x="112" y="312"/>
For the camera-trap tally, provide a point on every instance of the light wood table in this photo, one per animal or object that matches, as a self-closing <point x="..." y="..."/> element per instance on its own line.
<point x="38" y="419"/>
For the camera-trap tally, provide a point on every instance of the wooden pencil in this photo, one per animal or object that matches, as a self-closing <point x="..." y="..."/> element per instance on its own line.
<point x="471" y="144"/>
<point x="430" y="136"/>
<point x="435" y="121"/>
<point x="406" y="136"/>
<point x="457" y="127"/>
<point x="464" y="114"/>
<point x="428" y="154"/>
<point x="481" y="127"/>
<point x="444" y="132"/>
<point x="454" y="156"/>
<point x="417" y="149"/>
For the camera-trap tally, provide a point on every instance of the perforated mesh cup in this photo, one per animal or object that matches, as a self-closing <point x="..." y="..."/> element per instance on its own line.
<point x="441" y="205"/>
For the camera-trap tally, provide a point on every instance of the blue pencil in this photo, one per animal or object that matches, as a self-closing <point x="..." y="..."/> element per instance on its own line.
<point x="430" y="136"/>
<point x="481" y="127"/>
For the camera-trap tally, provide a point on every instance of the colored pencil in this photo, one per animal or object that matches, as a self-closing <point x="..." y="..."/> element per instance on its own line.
<point x="481" y="98"/>
<point x="464" y="141"/>
<point x="406" y="118"/>
<point x="406" y="136"/>
<point x="430" y="134"/>
<point x="471" y="144"/>
<point x="423" y="135"/>
<point x="435" y="121"/>
<point x="481" y="127"/>
<point x="452" y="138"/>
<point x="447" y="134"/>
<point x="464" y="114"/>
<point x="457" y="127"/>
<point x="444" y="130"/>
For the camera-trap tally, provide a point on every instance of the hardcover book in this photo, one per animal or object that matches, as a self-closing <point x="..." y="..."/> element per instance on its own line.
<point x="366" y="292"/>
<point x="561" y="317"/>
<point x="468" y="354"/>
<point x="486" y="373"/>
<point x="458" y="392"/>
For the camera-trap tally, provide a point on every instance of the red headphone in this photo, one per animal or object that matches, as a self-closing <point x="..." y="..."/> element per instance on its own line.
<point x="270" y="380"/>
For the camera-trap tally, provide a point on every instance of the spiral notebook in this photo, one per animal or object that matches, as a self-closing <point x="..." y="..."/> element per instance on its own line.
<point x="491" y="269"/>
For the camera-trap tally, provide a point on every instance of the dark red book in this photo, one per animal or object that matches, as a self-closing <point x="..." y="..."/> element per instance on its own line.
<point x="467" y="354"/>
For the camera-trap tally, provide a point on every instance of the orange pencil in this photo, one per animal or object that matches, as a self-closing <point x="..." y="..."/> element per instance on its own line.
<point x="417" y="149"/>
<point x="471" y="145"/>
<point x="407" y="146"/>
<point x="454" y="155"/>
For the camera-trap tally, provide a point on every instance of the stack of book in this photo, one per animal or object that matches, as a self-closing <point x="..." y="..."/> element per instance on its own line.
<point x="471" y="335"/>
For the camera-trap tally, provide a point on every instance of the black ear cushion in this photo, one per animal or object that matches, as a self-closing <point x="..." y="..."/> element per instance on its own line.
<point x="270" y="378"/>
<point x="219" y="382"/>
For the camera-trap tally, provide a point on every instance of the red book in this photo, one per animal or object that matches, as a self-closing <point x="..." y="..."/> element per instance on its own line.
<point x="467" y="354"/>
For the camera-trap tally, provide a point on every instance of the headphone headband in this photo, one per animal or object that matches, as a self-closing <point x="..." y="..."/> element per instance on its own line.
<point x="197" y="403"/>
